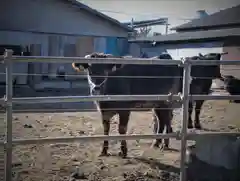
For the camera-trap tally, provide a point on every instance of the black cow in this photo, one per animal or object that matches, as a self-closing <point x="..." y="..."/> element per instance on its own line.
<point x="232" y="85"/>
<point x="133" y="84"/>
<point x="170" y="81"/>
<point x="203" y="76"/>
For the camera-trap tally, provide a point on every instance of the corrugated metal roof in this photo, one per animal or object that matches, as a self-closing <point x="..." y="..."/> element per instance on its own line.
<point x="226" y="17"/>
<point x="97" y="13"/>
<point x="187" y="36"/>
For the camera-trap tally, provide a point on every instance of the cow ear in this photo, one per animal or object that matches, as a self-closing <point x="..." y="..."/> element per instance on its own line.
<point x="80" y="67"/>
<point x="76" y="67"/>
<point x="116" y="66"/>
<point x="85" y="65"/>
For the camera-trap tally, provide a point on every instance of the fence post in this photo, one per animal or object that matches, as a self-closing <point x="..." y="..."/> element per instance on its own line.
<point x="185" y="108"/>
<point x="8" y="99"/>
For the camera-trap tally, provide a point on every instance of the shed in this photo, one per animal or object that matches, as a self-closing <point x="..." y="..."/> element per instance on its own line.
<point x="222" y="19"/>
<point x="218" y="32"/>
<point x="57" y="28"/>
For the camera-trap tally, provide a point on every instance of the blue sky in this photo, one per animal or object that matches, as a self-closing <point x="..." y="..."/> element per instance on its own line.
<point x="176" y="10"/>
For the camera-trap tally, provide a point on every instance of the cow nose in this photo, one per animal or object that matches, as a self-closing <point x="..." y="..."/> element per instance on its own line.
<point x="96" y="90"/>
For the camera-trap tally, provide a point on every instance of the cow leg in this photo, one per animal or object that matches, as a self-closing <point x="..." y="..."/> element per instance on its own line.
<point x="122" y="129"/>
<point x="106" y="117"/>
<point x="190" y="110"/>
<point x="198" y="107"/>
<point x="158" y="128"/>
<point x="168" y="124"/>
<point x="164" y="119"/>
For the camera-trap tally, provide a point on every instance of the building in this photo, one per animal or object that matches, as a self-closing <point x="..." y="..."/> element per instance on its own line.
<point x="57" y="28"/>
<point x="218" y="32"/>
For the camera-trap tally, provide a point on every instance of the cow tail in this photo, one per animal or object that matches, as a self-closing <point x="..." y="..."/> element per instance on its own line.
<point x="158" y="127"/>
<point x="155" y="119"/>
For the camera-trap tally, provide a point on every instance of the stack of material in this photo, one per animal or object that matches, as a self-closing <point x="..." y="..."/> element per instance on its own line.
<point x="2" y="130"/>
<point x="204" y="163"/>
<point x="1" y="163"/>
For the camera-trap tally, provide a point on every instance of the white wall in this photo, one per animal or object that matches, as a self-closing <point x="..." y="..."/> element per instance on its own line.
<point x="188" y="50"/>
<point x="178" y="51"/>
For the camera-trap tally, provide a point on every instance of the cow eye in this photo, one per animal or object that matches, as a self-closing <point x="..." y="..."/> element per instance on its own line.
<point x="114" y="68"/>
<point x="105" y="72"/>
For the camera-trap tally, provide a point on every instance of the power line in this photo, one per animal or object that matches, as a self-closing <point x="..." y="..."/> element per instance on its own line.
<point x="142" y="14"/>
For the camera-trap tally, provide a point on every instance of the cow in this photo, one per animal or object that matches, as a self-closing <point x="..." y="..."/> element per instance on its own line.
<point x="203" y="76"/>
<point x="132" y="84"/>
<point x="232" y="85"/>
<point x="170" y="81"/>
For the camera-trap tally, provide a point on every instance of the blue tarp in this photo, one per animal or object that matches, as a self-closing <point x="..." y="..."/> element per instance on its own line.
<point x="112" y="46"/>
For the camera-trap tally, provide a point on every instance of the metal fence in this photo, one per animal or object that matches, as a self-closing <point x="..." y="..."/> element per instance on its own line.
<point x="8" y="102"/>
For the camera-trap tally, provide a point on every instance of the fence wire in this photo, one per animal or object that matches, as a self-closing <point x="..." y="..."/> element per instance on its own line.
<point x="104" y="76"/>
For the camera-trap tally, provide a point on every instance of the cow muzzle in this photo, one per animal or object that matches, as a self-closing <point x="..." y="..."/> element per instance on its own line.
<point x="96" y="90"/>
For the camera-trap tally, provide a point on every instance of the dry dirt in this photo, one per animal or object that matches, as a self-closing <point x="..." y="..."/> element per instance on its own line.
<point x="61" y="162"/>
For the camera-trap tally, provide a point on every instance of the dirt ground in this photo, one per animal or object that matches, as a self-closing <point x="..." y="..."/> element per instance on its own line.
<point x="61" y="162"/>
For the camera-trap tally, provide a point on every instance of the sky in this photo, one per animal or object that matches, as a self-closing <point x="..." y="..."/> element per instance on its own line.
<point x="178" y="11"/>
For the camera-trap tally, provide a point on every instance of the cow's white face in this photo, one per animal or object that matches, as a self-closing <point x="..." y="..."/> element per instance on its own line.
<point x="96" y="73"/>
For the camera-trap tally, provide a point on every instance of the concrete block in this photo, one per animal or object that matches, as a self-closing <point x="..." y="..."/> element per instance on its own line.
<point x="222" y="151"/>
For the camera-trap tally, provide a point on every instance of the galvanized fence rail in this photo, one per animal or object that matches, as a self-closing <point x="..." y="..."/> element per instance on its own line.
<point x="8" y="102"/>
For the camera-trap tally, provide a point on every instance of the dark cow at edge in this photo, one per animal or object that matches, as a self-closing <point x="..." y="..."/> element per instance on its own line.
<point x="169" y="81"/>
<point x="232" y="85"/>
<point x="203" y="76"/>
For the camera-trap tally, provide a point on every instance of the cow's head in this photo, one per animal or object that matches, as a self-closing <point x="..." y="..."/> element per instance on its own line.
<point x="97" y="73"/>
<point x="228" y="81"/>
<point x="212" y="71"/>
<point x="216" y="68"/>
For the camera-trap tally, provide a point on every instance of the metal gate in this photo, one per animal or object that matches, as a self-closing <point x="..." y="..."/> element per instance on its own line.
<point x="8" y="101"/>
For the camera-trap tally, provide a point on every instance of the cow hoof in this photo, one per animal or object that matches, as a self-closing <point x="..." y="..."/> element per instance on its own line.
<point x="104" y="154"/>
<point x="156" y="145"/>
<point x="164" y="147"/>
<point x="198" y="126"/>
<point x="190" y="126"/>
<point x="121" y="154"/>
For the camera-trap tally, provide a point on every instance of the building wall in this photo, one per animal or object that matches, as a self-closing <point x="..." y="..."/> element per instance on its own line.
<point x="177" y="51"/>
<point x="55" y="28"/>
<point x="55" y="45"/>
<point x="54" y="16"/>
<point x="40" y="45"/>
<point x="123" y="46"/>
<point x="70" y="32"/>
<point x="19" y="38"/>
<point x="136" y="49"/>
<point x="233" y="48"/>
